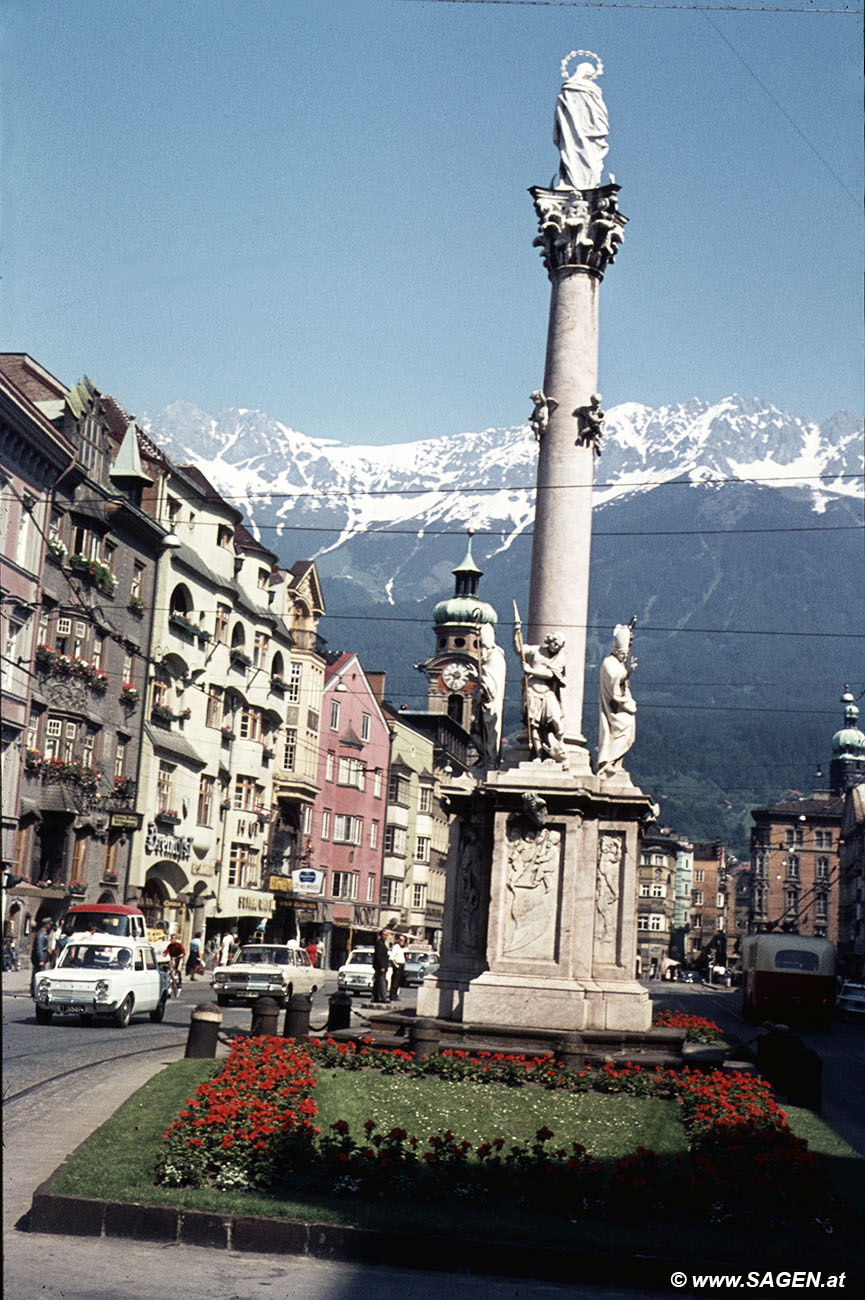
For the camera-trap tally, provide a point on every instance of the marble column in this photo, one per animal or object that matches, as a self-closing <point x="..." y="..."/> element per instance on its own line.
<point x="580" y="231"/>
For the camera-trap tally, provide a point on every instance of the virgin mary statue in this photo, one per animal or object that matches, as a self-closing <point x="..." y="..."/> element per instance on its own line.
<point x="581" y="127"/>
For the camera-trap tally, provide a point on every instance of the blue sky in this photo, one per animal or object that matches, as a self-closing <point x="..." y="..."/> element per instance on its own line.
<point x="319" y="208"/>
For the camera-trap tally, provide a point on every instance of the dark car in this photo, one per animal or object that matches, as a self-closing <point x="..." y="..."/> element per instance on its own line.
<point x="690" y="977"/>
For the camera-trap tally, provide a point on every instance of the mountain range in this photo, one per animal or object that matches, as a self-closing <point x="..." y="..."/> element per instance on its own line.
<point x="732" y="530"/>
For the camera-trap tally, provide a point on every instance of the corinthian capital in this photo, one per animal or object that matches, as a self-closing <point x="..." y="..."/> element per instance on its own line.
<point x="578" y="228"/>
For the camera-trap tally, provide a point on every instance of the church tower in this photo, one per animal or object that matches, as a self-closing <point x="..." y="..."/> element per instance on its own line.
<point x="453" y="672"/>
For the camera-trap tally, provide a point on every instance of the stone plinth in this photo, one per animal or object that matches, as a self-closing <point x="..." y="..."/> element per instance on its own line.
<point x="540" y="914"/>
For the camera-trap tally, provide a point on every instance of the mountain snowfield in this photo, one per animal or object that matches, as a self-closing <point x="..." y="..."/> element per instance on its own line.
<point x="485" y="480"/>
<point x="749" y="620"/>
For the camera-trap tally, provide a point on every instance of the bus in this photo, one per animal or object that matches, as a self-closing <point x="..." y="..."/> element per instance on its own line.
<point x="109" y="918"/>
<point x="788" y="977"/>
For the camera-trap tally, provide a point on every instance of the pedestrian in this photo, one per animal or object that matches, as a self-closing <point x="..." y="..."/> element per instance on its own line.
<point x="397" y="968"/>
<point x="312" y="952"/>
<point x="194" y="959"/>
<point x="319" y="947"/>
<point x="40" y="953"/>
<point x="380" y="964"/>
<point x="225" y="948"/>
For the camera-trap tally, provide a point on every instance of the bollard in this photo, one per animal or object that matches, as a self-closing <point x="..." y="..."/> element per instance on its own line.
<point x="571" y="1051"/>
<point x="338" y="1012"/>
<point x="297" y="1016"/>
<point x="265" y="1017"/>
<point x="774" y="1050"/>
<point x="423" y="1037"/>
<point x="804" y="1081"/>
<point x="203" y="1032"/>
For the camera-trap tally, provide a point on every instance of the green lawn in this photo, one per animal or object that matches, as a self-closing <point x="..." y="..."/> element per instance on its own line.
<point x="118" y="1161"/>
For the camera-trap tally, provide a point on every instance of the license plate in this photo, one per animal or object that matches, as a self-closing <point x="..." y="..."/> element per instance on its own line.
<point x="73" y="1008"/>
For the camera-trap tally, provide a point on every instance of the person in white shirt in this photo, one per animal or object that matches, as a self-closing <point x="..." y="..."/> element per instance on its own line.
<point x="397" y="969"/>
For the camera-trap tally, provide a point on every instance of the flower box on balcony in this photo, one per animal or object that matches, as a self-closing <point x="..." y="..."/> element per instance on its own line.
<point x="181" y="623"/>
<point x="169" y="815"/>
<point x="92" y="571"/>
<point x="109" y="877"/>
<point x="58" y="769"/>
<point x="78" y="891"/>
<point x="136" y="605"/>
<point x="240" y="659"/>
<point x="128" y="694"/>
<point x="32" y="760"/>
<point x="99" y="682"/>
<point x="55" y="550"/>
<point x="161" y="715"/>
<point x="228" y="734"/>
<point x="277" y="684"/>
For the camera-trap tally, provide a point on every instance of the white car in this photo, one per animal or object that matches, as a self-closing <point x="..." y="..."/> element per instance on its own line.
<point x="851" y="999"/>
<point x="356" y="975"/>
<point x="270" y="969"/>
<point x="102" y="975"/>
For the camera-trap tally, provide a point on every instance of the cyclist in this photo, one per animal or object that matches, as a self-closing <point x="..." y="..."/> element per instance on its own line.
<point x="175" y="953"/>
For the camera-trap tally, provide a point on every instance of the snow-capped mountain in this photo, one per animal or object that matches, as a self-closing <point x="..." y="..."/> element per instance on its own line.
<point x="704" y="527"/>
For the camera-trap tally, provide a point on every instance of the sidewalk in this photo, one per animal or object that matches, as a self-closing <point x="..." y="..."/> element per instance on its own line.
<point x="16" y="983"/>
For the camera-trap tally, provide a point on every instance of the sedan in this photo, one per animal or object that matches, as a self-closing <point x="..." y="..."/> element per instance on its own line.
<point x="275" y="970"/>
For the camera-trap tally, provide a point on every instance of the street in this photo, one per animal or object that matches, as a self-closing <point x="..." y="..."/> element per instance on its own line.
<point x="62" y="1080"/>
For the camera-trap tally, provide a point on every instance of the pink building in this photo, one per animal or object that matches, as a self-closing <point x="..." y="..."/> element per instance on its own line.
<point x="346" y="837"/>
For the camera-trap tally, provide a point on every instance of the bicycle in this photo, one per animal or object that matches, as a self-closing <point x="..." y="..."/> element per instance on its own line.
<point x="175" y="981"/>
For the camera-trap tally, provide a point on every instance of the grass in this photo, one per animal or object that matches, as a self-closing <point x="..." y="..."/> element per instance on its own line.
<point x="118" y="1161"/>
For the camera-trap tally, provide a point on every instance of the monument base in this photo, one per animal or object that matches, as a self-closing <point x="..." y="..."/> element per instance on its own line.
<point x="540" y="913"/>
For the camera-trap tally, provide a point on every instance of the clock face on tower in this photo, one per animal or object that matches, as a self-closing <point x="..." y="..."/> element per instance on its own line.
<point x="456" y="676"/>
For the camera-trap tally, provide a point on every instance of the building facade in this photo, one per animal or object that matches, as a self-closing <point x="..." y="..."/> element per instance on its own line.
<point x="656" y="901"/>
<point x="711" y="914"/>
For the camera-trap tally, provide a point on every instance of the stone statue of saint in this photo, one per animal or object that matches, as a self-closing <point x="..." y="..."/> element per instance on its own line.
<point x="492" y="694"/>
<point x="581" y="126"/>
<point x="544" y="676"/>
<point x="617" y="724"/>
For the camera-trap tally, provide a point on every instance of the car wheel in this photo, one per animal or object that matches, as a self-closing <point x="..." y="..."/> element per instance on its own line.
<point x="43" y="1016"/>
<point x="123" y="1014"/>
<point x="159" y="1010"/>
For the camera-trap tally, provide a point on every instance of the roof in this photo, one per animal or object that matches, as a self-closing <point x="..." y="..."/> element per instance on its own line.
<point x="110" y="909"/>
<point x="827" y="807"/>
<point x="170" y="742"/>
<point x="245" y="540"/>
<point x="208" y="491"/>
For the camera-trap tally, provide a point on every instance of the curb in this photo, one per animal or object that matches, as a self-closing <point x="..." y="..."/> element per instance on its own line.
<point x="93" y="1217"/>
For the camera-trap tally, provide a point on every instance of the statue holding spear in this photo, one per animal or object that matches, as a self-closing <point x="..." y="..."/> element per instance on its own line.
<point x="543" y="669"/>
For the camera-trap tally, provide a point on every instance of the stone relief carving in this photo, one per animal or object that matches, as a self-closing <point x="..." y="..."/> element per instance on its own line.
<point x="590" y="424"/>
<point x="611" y="852"/>
<point x="534" y="859"/>
<point x="578" y="229"/>
<point x="468" y="937"/>
<point x="539" y="420"/>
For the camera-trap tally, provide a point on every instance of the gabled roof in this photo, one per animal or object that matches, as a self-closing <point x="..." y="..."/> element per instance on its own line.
<point x="244" y="540"/>
<point x="208" y="491"/>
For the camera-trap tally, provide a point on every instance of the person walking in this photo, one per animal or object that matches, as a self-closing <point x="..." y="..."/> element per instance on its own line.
<point x="40" y="953"/>
<point x="312" y="952"/>
<point x="380" y="965"/>
<point x="194" y="959"/>
<point x="397" y="968"/>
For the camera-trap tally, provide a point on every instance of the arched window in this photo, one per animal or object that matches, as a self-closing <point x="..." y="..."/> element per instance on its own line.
<point x="238" y="637"/>
<point x="277" y="667"/>
<point x="181" y="600"/>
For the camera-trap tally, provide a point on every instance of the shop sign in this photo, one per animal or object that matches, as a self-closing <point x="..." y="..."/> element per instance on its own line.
<point x="129" y="821"/>
<point x="279" y="884"/>
<point x="167" y="846"/>
<point x="308" y="880"/>
<point x="254" y="903"/>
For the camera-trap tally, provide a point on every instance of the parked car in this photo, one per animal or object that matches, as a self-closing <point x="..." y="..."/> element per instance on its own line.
<point x="102" y="975"/>
<point x="851" y="999"/>
<point x="276" y="970"/>
<point x="690" y="977"/>
<point x="356" y="975"/>
<point x="419" y="962"/>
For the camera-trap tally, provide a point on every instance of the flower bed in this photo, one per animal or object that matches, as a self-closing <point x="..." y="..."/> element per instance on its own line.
<point x="699" y="1029"/>
<point x="251" y="1127"/>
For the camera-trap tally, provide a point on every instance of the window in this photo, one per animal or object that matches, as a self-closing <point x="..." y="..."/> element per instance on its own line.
<point x="70" y="731"/>
<point x="214" y="706"/>
<point x="90" y="451"/>
<point x="821" y="909"/>
<point x="223" y="613"/>
<point x="89" y="746"/>
<point x="351" y="771"/>
<point x="793" y="867"/>
<point x="659" y="890"/>
<point x="120" y="759"/>
<point x="325" y="824"/>
<point x="370" y="889"/>
<point x="719" y="922"/>
<point x="823" y="839"/>
<point x="137" y="584"/>
<point x="642" y="921"/>
<point x="289" y="752"/>
<point x="376" y="783"/>
<point x="365" y="723"/>
<point x="243" y="866"/>
<point x="223" y="536"/>
<point x="328" y="767"/>
<point x="656" y="922"/>
<point x="697" y="921"/>
<point x="424" y="803"/>
<point x="173" y="506"/>
<point x="206" y="786"/>
<point x="394" y="841"/>
<point x="53" y="734"/>
<point x="165" y="785"/>
<point x="334" y="715"/>
<point x="160" y="694"/>
<point x="418" y="896"/>
<point x="423" y="847"/>
<point x="109" y="558"/>
<point x="64" y="626"/>
<point x="346" y="829"/>
<point x="251" y="724"/>
<point x="398" y="789"/>
<point x="699" y="876"/>
<point x="697" y="897"/>
<point x="373" y="835"/>
<point x="306" y="819"/>
<point x="79" y="858"/>
<point x="292" y="689"/>
<point x="645" y="891"/>
<point x="822" y="869"/>
<point x="245" y="793"/>
<point x="260" y="649"/>
<point x="793" y="839"/>
<point x="391" y="892"/>
<point x="721" y="900"/>
<point x="344" y="884"/>
<point x="263" y="579"/>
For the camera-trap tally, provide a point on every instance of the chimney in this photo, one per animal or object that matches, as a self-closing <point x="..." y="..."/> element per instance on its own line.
<point x="376" y="681"/>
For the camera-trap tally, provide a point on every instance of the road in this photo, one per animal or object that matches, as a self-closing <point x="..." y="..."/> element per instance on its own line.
<point x="64" y="1079"/>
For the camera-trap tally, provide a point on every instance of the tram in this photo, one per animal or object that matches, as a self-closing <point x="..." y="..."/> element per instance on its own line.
<point x="788" y="977"/>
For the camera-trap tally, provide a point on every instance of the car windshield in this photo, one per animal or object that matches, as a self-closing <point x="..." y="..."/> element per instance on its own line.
<point x="360" y="959"/>
<point x="258" y="952"/>
<point x="103" y="922"/>
<point x="94" y="956"/>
